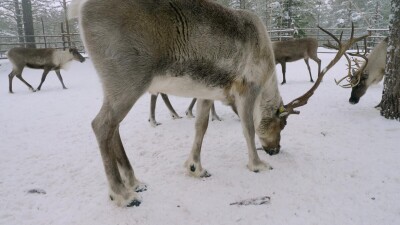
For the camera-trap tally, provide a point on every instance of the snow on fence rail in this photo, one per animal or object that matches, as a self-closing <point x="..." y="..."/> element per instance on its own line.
<point x="64" y="40"/>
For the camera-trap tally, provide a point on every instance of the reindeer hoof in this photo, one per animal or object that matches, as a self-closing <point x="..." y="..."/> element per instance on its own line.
<point x="141" y="188"/>
<point x="258" y="166"/>
<point x="134" y="203"/>
<point x="283" y="82"/>
<point x="175" y="116"/>
<point x="216" y="118"/>
<point x="189" y="114"/>
<point x="153" y="123"/>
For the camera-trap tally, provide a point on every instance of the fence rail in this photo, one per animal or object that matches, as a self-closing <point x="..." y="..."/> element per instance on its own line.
<point x="65" y="40"/>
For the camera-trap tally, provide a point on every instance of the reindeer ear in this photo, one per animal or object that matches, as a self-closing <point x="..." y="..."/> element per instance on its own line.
<point x="282" y="111"/>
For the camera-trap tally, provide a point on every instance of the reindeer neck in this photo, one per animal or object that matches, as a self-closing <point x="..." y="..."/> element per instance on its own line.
<point x="61" y="58"/>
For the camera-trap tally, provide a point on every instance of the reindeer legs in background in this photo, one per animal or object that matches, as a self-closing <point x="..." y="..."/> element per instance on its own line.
<point x="153" y="101"/>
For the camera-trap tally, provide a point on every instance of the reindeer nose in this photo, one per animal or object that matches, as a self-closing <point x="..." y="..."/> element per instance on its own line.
<point x="82" y="60"/>
<point x="354" y="100"/>
<point x="272" y="151"/>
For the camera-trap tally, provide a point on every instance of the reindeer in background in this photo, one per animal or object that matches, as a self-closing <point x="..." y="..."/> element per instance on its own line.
<point x="371" y="71"/>
<point x="192" y="49"/>
<point x="46" y="58"/>
<point x="296" y="49"/>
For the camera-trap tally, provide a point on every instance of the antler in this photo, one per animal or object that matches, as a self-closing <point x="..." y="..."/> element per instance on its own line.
<point x="354" y="79"/>
<point x="342" y="48"/>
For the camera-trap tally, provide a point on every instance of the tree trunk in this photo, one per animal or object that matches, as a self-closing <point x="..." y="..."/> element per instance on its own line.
<point x="390" y="103"/>
<point x="28" y="23"/>
<point x="20" y="29"/>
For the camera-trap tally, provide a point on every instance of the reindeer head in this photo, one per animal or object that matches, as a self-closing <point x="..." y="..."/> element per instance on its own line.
<point x="356" y="76"/>
<point x="77" y="56"/>
<point x="270" y="129"/>
<point x="359" y="90"/>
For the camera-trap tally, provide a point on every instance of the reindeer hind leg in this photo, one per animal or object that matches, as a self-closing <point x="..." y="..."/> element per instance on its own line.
<point x="189" y="111"/>
<point x="10" y="78"/>
<point x="309" y="69"/>
<point x="152" y="117"/>
<point x="171" y="109"/>
<point x="19" y="76"/>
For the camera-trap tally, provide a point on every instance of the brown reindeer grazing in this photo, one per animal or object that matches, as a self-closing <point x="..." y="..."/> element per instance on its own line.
<point x="296" y="49"/>
<point x="284" y="51"/>
<point x="46" y="58"/>
<point x="196" y="49"/>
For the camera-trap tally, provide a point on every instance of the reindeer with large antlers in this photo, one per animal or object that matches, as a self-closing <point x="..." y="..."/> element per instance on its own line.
<point x="362" y="75"/>
<point x="192" y="48"/>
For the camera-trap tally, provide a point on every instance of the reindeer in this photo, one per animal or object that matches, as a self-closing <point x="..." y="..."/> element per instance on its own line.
<point x="194" y="49"/>
<point x="371" y="71"/>
<point x="296" y="49"/>
<point x="284" y="51"/>
<point x="47" y="59"/>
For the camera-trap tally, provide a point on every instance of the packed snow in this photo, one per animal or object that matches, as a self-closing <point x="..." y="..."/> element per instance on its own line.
<point x="339" y="163"/>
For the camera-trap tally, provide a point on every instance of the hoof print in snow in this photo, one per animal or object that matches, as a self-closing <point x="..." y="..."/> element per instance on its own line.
<point x="254" y="201"/>
<point x="134" y="203"/>
<point x="37" y="191"/>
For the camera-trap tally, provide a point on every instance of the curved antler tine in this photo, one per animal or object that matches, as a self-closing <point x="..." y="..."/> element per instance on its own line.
<point x="339" y="81"/>
<point x="329" y="33"/>
<point x="352" y="30"/>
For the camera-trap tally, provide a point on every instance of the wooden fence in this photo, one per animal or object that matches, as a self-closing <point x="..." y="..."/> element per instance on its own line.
<point x="64" y="40"/>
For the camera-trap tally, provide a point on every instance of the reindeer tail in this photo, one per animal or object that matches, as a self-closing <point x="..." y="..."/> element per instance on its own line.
<point x="75" y="8"/>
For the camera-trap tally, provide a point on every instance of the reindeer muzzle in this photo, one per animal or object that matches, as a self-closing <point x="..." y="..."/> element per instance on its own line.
<point x="82" y="59"/>
<point x="272" y="151"/>
<point x="354" y="100"/>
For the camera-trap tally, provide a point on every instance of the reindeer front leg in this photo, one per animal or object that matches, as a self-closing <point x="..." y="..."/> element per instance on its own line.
<point x="60" y="78"/>
<point x="245" y="108"/>
<point x="193" y="163"/>
<point x="44" y="75"/>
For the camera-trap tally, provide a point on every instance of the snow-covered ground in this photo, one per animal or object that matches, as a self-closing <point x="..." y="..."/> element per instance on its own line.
<point x="339" y="163"/>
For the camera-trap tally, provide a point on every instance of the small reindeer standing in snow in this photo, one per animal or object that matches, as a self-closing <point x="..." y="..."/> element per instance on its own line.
<point x="47" y="59"/>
